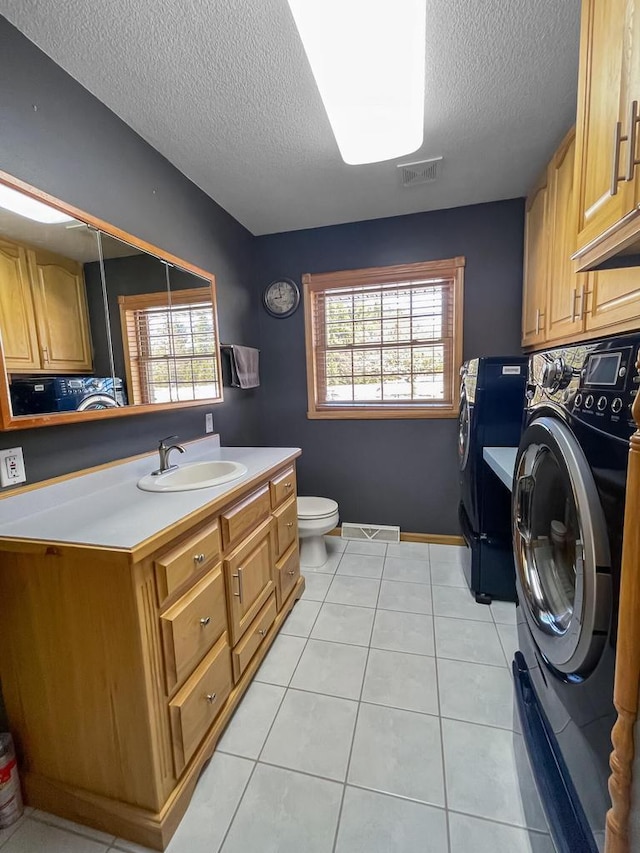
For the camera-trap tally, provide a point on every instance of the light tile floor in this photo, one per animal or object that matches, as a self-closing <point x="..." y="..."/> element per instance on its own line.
<point x="380" y="722"/>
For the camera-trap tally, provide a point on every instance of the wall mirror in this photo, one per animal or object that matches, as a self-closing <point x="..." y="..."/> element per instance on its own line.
<point x="95" y="323"/>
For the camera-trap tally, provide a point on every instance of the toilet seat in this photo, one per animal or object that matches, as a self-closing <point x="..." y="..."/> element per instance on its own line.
<point x="309" y="507"/>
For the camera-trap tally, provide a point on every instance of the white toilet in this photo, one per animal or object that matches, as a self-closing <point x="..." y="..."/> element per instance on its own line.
<point x="316" y="516"/>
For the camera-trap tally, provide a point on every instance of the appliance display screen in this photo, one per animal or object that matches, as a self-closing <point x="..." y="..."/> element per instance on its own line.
<point x="602" y="368"/>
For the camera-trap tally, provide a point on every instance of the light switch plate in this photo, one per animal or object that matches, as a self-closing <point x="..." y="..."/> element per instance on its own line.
<point x="208" y="422"/>
<point x="12" y="467"/>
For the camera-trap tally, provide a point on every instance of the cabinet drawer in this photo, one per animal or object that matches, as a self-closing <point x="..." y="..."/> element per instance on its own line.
<point x="185" y="559"/>
<point x="248" y="646"/>
<point x="242" y="517"/>
<point x="282" y="486"/>
<point x="198" y="703"/>
<point x="249" y="578"/>
<point x="286" y="525"/>
<point x="287" y="573"/>
<point x="192" y="625"/>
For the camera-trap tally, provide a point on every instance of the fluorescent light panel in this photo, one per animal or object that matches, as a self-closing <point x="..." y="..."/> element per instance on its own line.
<point x="368" y="60"/>
<point x="30" y="208"/>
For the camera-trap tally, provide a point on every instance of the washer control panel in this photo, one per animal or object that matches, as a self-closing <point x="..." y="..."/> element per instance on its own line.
<point x="595" y="382"/>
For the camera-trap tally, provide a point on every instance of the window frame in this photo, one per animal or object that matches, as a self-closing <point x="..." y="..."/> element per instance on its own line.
<point x="162" y="299"/>
<point x="453" y="269"/>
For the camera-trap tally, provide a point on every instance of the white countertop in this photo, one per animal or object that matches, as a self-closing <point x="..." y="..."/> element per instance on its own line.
<point x="107" y="509"/>
<point x="502" y="460"/>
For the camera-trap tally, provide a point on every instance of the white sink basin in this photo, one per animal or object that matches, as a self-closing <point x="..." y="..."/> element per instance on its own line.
<point x="193" y="475"/>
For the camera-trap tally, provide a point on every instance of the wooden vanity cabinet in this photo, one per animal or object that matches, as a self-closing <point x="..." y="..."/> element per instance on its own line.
<point x="121" y="668"/>
<point x="44" y="319"/>
<point x="249" y="578"/>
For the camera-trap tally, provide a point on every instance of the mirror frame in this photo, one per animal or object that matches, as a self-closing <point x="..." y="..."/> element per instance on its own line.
<point x="9" y="421"/>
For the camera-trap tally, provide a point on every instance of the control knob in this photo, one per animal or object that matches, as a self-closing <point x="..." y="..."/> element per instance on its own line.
<point x="588" y="403"/>
<point x="616" y="406"/>
<point x="556" y="374"/>
<point x="578" y="400"/>
<point x="602" y="404"/>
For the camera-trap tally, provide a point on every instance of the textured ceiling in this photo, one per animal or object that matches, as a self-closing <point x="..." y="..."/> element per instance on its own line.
<point x="222" y="88"/>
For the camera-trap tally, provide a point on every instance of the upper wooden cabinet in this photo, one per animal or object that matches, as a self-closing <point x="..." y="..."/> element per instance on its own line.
<point x="614" y="301"/>
<point x="61" y="312"/>
<point x="536" y="264"/>
<point x="567" y="292"/>
<point x="17" y="312"/>
<point x="559" y="304"/>
<point x="607" y="176"/>
<point x="43" y="312"/>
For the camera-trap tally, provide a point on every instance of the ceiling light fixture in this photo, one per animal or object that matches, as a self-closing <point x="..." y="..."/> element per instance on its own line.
<point x="30" y="208"/>
<point x="368" y="60"/>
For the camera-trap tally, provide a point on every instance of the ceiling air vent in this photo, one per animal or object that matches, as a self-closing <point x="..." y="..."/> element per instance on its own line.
<point x="422" y="172"/>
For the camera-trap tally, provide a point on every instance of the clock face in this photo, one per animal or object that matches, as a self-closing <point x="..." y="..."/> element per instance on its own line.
<point x="281" y="298"/>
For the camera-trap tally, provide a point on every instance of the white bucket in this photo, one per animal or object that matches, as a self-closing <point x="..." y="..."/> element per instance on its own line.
<point x="11" y="807"/>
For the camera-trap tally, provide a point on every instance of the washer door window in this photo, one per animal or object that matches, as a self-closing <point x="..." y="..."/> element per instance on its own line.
<point x="561" y="548"/>
<point x="97" y="401"/>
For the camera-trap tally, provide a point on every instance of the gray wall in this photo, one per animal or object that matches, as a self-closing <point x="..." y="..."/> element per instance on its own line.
<point x="389" y="471"/>
<point x="73" y="147"/>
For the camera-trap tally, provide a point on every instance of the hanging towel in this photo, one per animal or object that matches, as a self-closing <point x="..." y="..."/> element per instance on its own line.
<point x="245" y="368"/>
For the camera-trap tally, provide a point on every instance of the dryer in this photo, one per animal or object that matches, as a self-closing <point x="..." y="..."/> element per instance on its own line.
<point x="568" y="517"/>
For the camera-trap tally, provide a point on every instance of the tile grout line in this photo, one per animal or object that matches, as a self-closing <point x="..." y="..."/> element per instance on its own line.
<point x="355" y="726"/>
<point x="237" y="808"/>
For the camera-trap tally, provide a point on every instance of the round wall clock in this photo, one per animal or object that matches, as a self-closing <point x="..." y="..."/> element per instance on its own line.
<point x="281" y="297"/>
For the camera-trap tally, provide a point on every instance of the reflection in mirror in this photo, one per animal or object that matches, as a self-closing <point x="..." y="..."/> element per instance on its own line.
<point x="52" y="321"/>
<point x="163" y="330"/>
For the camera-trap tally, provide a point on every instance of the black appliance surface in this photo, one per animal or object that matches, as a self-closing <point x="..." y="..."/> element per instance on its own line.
<point x="568" y="516"/>
<point x="492" y="395"/>
<point x="45" y="394"/>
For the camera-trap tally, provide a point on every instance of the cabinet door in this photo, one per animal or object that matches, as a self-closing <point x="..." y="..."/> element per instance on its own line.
<point x="249" y="574"/>
<point x="61" y="312"/>
<point x="566" y="289"/>
<point x="536" y="264"/>
<point x="615" y="299"/>
<point x="603" y="100"/>
<point x="17" y="315"/>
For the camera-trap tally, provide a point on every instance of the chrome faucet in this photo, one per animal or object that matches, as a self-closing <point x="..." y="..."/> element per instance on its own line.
<point x="164" y="450"/>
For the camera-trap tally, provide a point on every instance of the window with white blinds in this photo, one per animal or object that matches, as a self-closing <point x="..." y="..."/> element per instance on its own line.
<point x="385" y="342"/>
<point x="171" y="348"/>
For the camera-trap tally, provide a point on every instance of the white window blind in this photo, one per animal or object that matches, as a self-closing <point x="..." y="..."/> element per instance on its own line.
<point x="385" y="340"/>
<point x="171" y="349"/>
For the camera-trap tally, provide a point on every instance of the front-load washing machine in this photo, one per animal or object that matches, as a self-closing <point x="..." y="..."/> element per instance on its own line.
<point x="568" y="515"/>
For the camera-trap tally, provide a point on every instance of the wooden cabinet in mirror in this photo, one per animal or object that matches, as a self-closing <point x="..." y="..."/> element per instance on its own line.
<point x="94" y="322"/>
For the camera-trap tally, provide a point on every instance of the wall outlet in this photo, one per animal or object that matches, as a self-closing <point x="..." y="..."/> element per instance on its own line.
<point x="12" y="467"/>
<point x="208" y="422"/>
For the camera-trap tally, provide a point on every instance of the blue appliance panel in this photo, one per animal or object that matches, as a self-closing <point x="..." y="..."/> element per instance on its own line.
<point x="492" y="403"/>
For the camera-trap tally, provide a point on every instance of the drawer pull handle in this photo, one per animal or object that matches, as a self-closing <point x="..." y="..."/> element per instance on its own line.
<point x="211" y="698"/>
<point x="238" y="594"/>
<point x="291" y="572"/>
<point x="262" y="631"/>
<point x="287" y="485"/>
<point x="199" y="558"/>
<point x="289" y="523"/>
<point x="205" y="621"/>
